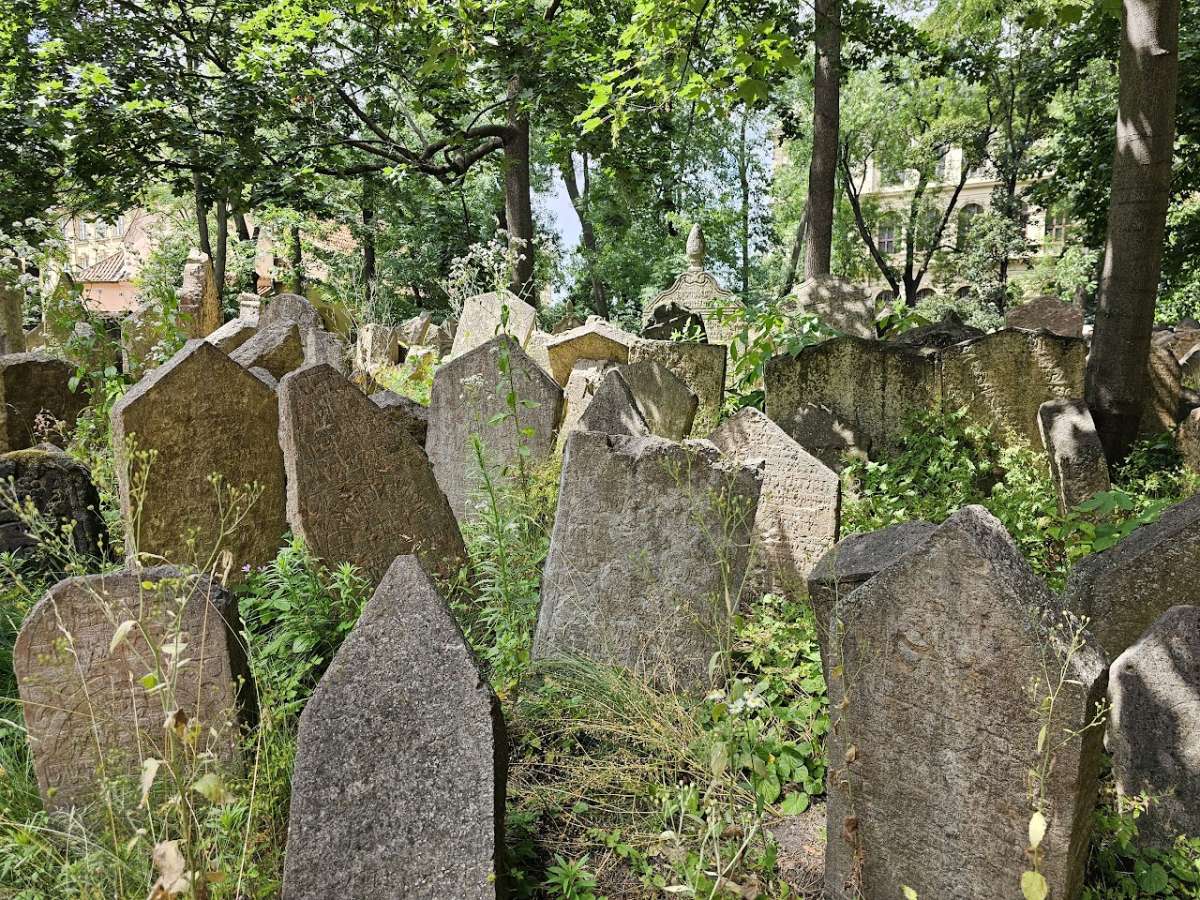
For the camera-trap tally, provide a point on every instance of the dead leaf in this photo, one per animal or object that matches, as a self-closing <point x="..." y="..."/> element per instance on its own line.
<point x="172" y="880"/>
<point x="149" y="770"/>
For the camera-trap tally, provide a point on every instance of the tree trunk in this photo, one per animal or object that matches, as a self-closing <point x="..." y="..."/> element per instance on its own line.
<point x="243" y="228"/>
<point x="744" y="183"/>
<point x="221" y="250"/>
<point x="1116" y="385"/>
<point x="587" y="233"/>
<point x="518" y="207"/>
<point x="793" y="263"/>
<point x="201" y="216"/>
<point x="822" y="170"/>
<point x="368" y="248"/>
<point x="297" y="262"/>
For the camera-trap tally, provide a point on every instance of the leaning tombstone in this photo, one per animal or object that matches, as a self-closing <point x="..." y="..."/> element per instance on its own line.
<point x="1154" y="726"/>
<point x="1164" y="381"/>
<point x="198" y="463"/>
<point x="1187" y="439"/>
<point x="200" y="296"/>
<point x="360" y="490"/>
<point x="1190" y="369"/>
<point x="406" y="412"/>
<point x="581" y="387"/>
<point x="612" y="409"/>
<point x="800" y="504"/>
<point x="377" y="346"/>
<point x="320" y="345"/>
<point x="94" y="673"/>
<point x="824" y="435"/>
<point x="45" y="494"/>
<point x="232" y="334"/>
<point x="1049" y="314"/>
<point x="12" y="320"/>
<point x="665" y="402"/>
<point x="960" y="678"/>
<point x="699" y="366"/>
<point x="844" y="306"/>
<point x="376" y="810"/>
<point x="36" y="400"/>
<point x="647" y="555"/>
<point x="487" y="315"/>
<point x="469" y="401"/>
<point x="277" y="348"/>
<point x="595" y="339"/>
<point x="1077" y="464"/>
<point x="1124" y="589"/>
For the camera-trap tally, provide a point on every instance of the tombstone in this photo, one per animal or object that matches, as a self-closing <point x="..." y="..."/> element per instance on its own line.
<point x="60" y="489"/>
<point x="665" y="402"/>
<point x="699" y="366"/>
<point x="36" y="400"/>
<point x="597" y="339"/>
<point x="360" y="490"/>
<point x="1123" y="589"/>
<point x="1164" y="392"/>
<point x="232" y="334"/>
<point x="844" y="306"/>
<point x="824" y="435"/>
<point x="870" y="388"/>
<point x="376" y="808"/>
<point x="444" y="339"/>
<point x="581" y="386"/>
<point x="406" y="412"/>
<point x="276" y="348"/>
<point x="1184" y="339"/>
<point x="1047" y="313"/>
<point x="200" y="296"/>
<point x="945" y="659"/>
<point x="1154" y="726"/>
<point x="695" y="297"/>
<point x="1078" y="467"/>
<point x="82" y="690"/>
<point x="377" y="346"/>
<point x="800" y="504"/>
<point x="643" y="531"/>
<point x="1190" y="369"/>
<point x="1188" y="440"/>
<point x="415" y="332"/>
<point x="200" y="414"/>
<point x="320" y="346"/>
<point x="469" y="398"/>
<point x="12" y="320"/>
<point x="481" y="318"/>
<point x="612" y="409"/>
<point x="538" y="350"/>
<point x="249" y="307"/>
<point x="949" y="330"/>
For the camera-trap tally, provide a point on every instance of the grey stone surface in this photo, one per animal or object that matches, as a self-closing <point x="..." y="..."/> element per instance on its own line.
<point x="537" y="348"/>
<point x="1188" y="440"/>
<point x="1077" y="464"/>
<point x="36" y="400"/>
<point x="232" y="334"/>
<point x="945" y="657"/>
<point x="277" y="348"/>
<point x="1190" y="369"/>
<point x="60" y="489"/>
<point x="1049" y="313"/>
<point x="200" y="296"/>
<point x="1124" y="589"/>
<point x="844" y="306"/>
<point x="249" y="306"/>
<point x="613" y="409"/>
<point x="359" y="488"/>
<point x="581" y="387"/>
<point x="377" y="346"/>
<point x="595" y="339"/>
<point x="401" y="760"/>
<point x="89" y="716"/>
<point x="699" y="366"/>
<point x="1164" y="392"/>
<point x="12" y="324"/>
<point x="824" y="435"/>
<point x="469" y="394"/>
<point x="949" y="330"/>
<point x="1154" y="726"/>
<point x="320" y="346"/>
<point x="481" y="317"/>
<point x="643" y="529"/>
<point x="406" y="412"/>
<point x="417" y="331"/>
<point x="800" y="505"/>
<point x="665" y="402"/>
<point x="200" y="414"/>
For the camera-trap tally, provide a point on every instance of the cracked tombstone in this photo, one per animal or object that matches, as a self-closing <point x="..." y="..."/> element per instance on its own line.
<point x="36" y="400"/>
<point x="359" y="488"/>
<point x="701" y="367"/>
<point x="470" y="398"/>
<point x="1154" y="726"/>
<point x="200" y="415"/>
<point x="487" y="315"/>
<point x="1124" y="589"/>
<point x="375" y="806"/>
<point x="947" y="657"/>
<point x="1077" y="464"/>
<point x="87" y="661"/>
<point x="647" y="555"/>
<point x="800" y="505"/>
<point x="60" y="491"/>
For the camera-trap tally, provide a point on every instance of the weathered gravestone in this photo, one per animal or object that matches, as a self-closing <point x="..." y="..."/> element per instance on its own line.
<point x="377" y="346"/>
<point x="1164" y="392"/>
<point x="1047" y="313"/>
<point x="359" y="488"/>
<point x="249" y="306"/>
<point x="12" y="323"/>
<point x="947" y="656"/>
<point x="1190" y="369"/>
<point x="406" y="412"/>
<point x="800" y="505"/>
<point x="664" y="401"/>
<point x="320" y="346"/>
<point x="484" y="317"/>
<point x="644" y="532"/>
<point x="1188" y="440"/>
<point x="695" y="298"/>
<point x="596" y="339"/>
<point x="1154" y="726"/>
<point x="82" y="662"/>
<point x="1002" y="378"/>
<point x="200" y="296"/>
<point x="36" y="400"/>
<point x="377" y="808"/>
<point x="824" y="435"/>
<point x="416" y="332"/>
<point x="470" y="398"/>
<point x="1124" y="589"/>
<point x="200" y="415"/>
<point x="538" y="349"/>
<point x="276" y="348"/>
<point x="950" y="329"/>
<point x="581" y="387"/>
<point x="844" y="306"/>
<point x="60" y="492"/>
<point x="232" y="334"/>
<point x="701" y="367"/>
<point x="613" y="410"/>
<point x="1077" y="464"/>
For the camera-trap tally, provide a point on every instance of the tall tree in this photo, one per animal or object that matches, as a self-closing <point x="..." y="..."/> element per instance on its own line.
<point x="822" y="170"/>
<point x="1141" y="188"/>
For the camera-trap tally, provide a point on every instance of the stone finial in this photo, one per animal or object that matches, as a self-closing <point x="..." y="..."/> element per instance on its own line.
<point x="696" y="249"/>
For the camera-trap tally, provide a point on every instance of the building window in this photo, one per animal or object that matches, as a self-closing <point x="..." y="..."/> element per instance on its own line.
<point x="885" y="239"/>
<point x="1056" y="226"/>
<point x="925" y="294"/>
<point x="966" y="216"/>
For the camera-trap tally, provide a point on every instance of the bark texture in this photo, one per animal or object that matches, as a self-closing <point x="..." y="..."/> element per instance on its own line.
<point x="822" y="170"/>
